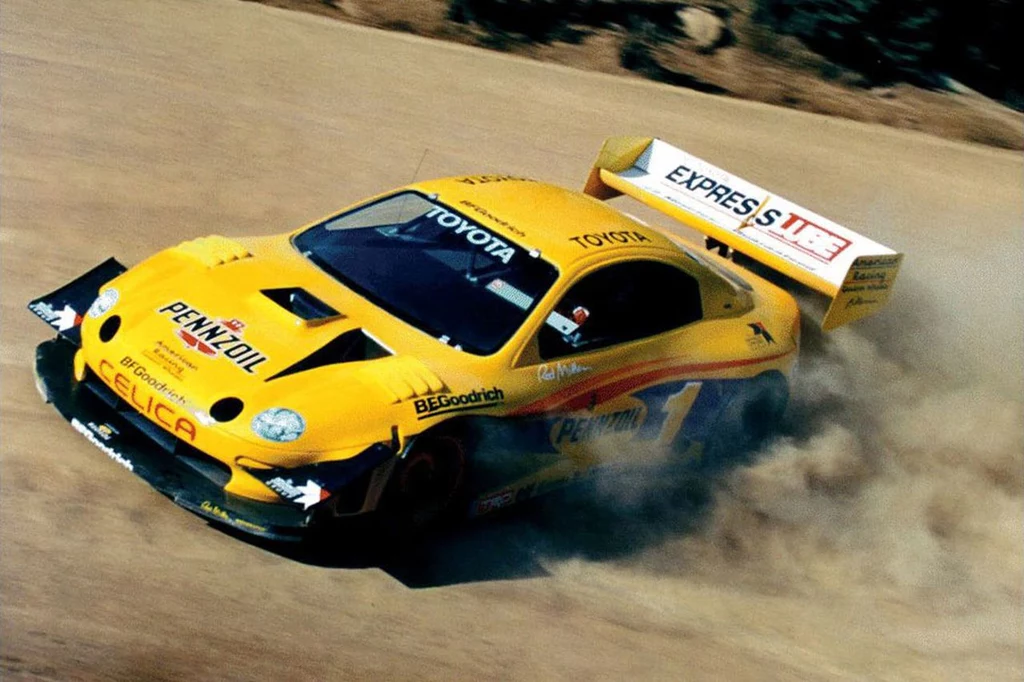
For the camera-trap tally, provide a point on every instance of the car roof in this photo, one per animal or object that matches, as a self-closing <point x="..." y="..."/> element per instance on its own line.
<point x="564" y="225"/>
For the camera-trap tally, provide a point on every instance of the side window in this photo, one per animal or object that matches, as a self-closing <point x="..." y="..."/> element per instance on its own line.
<point x="619" y="303"/>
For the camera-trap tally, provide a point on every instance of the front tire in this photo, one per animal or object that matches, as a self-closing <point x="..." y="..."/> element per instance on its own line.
<point x="427" y="483"/>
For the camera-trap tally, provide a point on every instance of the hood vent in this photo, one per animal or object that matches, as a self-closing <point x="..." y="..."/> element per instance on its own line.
<point x="352" y="346"/>
<point x="405" y="378"/>
<point x="301" y="304"/>
<point x="214" y="250"/>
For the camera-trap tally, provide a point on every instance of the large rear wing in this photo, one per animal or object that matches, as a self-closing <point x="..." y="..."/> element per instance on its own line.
<point x="854" y="271"/>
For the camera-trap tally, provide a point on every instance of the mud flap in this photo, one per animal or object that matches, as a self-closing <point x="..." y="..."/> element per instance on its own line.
<point x="64" y="308"/>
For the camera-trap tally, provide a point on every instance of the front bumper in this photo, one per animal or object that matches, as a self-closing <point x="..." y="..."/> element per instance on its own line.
<point x="190" y="478"/>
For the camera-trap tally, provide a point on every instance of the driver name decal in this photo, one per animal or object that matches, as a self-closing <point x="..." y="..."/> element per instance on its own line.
<point x="473" y="234"/>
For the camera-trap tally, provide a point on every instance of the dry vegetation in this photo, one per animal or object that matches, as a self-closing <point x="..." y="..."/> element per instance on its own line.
<point x="750" y="63"/>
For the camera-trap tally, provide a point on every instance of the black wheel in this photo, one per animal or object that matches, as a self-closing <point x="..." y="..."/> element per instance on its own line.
<point x="762" y="416"/>
<point x="427" y="483"/>
<point x="747" y="423"/>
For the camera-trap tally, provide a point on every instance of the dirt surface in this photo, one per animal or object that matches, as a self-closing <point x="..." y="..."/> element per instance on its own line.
<point x="755" y="64"/>
<point x="881" y="540"/>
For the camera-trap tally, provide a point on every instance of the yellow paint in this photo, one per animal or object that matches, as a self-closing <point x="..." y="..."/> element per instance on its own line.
<point x="677" y="406"/>
<point x="348" y="407"/>
<point x="78" y="365"/>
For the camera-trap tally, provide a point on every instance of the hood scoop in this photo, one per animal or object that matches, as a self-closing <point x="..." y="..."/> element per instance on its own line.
<point x="302" y="304"/>
<point x="352" y="346"/>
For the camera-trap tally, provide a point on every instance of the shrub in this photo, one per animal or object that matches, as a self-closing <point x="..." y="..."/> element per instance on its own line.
<point x="545" y="21"/>
<point x="887" y="40"/>
<point x="912" y="40"/>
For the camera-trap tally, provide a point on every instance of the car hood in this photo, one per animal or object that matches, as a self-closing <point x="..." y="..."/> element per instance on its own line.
<point x="205" y="322"/>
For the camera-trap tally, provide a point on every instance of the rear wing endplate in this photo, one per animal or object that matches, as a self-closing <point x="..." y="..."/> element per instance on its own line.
<point x="855" y="272"/>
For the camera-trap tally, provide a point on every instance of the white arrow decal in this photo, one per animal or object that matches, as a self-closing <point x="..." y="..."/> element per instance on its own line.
<point x="311" y="494"/>
<point x="66" y="319"/>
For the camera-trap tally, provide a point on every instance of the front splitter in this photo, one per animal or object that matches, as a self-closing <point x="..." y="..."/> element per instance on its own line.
<point x="108" y="428"/>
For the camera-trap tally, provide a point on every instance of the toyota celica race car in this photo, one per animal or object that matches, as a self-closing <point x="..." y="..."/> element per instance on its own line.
<point x="450" y="347"/>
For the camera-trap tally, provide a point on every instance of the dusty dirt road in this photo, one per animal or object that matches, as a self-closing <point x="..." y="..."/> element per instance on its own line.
<point x="882" y="540"/>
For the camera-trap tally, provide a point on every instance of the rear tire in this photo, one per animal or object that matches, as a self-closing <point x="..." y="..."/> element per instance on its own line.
<point x="748" y="423"/>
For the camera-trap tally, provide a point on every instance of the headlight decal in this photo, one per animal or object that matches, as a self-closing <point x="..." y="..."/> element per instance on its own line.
<point x="103" y="303"/>
<point x="278" y="424"/>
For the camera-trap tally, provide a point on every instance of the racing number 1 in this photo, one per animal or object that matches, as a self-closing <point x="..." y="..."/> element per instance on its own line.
<point x="676" y="407"/>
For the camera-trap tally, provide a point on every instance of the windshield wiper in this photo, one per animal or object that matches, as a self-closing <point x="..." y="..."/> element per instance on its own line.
<point x="396" y="232"/>
<point x="469" y="270"/>
<point x="492" y="270"/>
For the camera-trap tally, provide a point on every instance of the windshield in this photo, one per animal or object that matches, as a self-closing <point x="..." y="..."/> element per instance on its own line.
<point x="432" y="267"/>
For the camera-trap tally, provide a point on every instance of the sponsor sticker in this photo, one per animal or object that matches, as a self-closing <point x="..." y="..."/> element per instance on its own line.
<point x="872" y="276"/>
<point x="711" y="189"/>
<point x="284" y="487"/>
<point x="104" y="431"/>
<point x="249" y="525"/>
<point x="878" y="261"/>
<point x="583" y="429"/>
<point x="480" y="210"/>
<point x="512" y="294"/>
<point x="714" y="189"/>
<point x="109" y="451"/>
<point x="486" y="179"/>
<point x="142" y="374"/>
<point x="805" y="236"/>
<point x="61" y="320"/>
<point x="598" y="239"/>
<point x="761" y="335"/>
<point x="172" y="360"/>
<point x="167" y="413"/>
<point x="474" y="400"/>
<point x="494" y="502"/>
<point x="213" y="337"/>
<point x="472" y="233"/>
<point x="307" y="495"/>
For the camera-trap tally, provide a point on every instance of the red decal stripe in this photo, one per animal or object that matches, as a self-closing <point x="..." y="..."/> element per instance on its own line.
<point x="598" y="390"/>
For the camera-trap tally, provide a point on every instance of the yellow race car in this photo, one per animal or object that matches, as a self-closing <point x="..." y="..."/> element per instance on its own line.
<point x="453" y="346"/>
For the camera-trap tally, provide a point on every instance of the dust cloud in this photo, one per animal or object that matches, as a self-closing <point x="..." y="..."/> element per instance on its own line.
<point x="891" y="476"/>
<point x="896" y="482"/>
